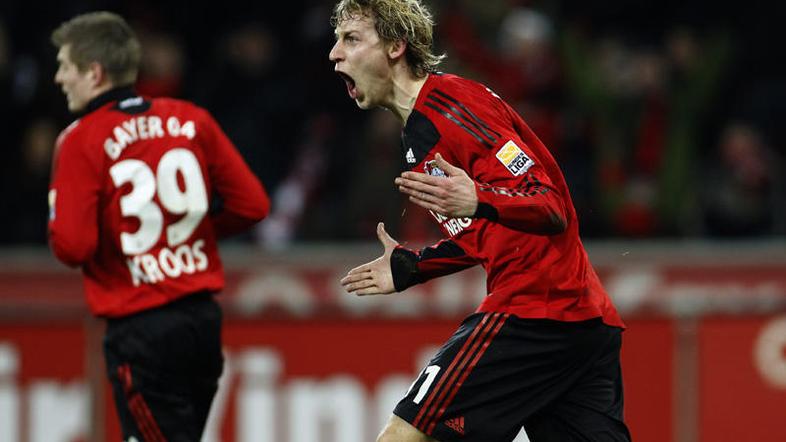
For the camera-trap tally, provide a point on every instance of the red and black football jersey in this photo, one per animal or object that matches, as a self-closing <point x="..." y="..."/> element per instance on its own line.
<point x="130" y="200"/>
<point x="532" y="271"/>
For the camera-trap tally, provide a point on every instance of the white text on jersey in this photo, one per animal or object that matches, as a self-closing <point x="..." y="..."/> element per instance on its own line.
<point x="151" y="269"/>
<point x="452" y="225"/>
<point x="145" y="127"/>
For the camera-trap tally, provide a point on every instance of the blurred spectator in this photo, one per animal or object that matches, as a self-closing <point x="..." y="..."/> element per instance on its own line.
<point x="698" y="67"/>
<point x="255" y="99"/>
<point x="298" y="188"/>
<point x="647" y="107"/>
<point x="743" y="188"/>
<point x="161" y="67"/>
<point x="26" y="185"/>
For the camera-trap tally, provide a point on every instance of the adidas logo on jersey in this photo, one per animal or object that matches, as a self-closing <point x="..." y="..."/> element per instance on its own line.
<point x="456" y="424"/>
<point x="411" y="157"/>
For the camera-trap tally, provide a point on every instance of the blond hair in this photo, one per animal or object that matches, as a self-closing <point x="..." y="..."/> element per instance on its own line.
<point x="397" y="20"/>
<point x="104" y="38"/>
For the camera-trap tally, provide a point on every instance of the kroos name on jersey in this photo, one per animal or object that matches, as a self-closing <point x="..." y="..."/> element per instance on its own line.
<point x="145" y="128"/>
<point x="151" y="268"/>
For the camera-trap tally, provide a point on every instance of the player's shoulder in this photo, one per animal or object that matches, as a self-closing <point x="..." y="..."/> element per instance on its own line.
<point x="461" y="107"/>
<point x="440" y="109"/>
<point x="458" y="88"/>
<point x="455" y="98"/>
<point x="69" y="133"/>
<point x="177" y="106"/>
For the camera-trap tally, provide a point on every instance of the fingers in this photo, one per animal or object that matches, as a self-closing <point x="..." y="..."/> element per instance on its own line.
<point x="386" y="240"/>
<point x="410" y="186"/>
<point x="420" y="195"/>
<point x="443" y="164"/>
<point x="429" y="205"/>
<point x="417" y="178"/>
<point x="356" y="280"/>
<point x="367" y="286"/>
<point x="360" y="269"/>
<point x="360" y="284"/>
<point x="426" y="196"/>
<point x="368" y="291"/>
<point x="355" y="277"/>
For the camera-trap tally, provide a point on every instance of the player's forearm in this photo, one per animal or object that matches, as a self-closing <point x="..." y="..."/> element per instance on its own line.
<point x="73" y="225"/>
<point x="245" y="203"/>
<point x="73" y="249"/>
<point x="410" y="268"/>
<point x="234" y="219"/>
<point x="536" y="210"/>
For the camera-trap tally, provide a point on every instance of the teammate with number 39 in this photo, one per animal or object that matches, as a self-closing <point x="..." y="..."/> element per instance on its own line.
<point x="130" y="203"/>
<point x="542" y="349"/>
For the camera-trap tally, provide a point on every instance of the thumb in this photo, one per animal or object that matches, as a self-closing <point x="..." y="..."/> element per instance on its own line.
<point x="447" y="167"/>
<point x="387" y="241"/>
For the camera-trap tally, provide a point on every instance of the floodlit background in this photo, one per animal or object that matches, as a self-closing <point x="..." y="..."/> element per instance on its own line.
<point x="666" y="119"/>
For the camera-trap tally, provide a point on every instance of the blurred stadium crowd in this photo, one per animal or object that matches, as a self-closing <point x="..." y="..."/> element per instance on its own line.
<point x="665" y="116"/>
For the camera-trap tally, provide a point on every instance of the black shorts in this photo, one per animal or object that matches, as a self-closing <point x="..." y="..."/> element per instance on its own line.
<point x="561" y="381"/>
<point x="164" y="366"/>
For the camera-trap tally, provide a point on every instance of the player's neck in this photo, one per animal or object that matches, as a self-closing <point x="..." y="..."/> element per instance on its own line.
<point x="404" y="94"/>
<point x="100" y="89"/>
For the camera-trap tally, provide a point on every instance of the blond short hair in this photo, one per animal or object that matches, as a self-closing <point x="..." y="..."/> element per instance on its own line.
<point x="104" y="38"/>
<point x="397" y="20"/>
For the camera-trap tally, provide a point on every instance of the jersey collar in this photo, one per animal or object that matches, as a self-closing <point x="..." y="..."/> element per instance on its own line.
<point x="116" y="94"/>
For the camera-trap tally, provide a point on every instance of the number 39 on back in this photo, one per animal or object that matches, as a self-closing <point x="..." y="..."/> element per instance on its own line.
<point x="191" y="201"/>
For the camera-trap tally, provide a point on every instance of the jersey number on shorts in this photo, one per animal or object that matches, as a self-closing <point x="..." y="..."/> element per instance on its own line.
<point x="431" y="374"/>
<point x="191" y="201"/>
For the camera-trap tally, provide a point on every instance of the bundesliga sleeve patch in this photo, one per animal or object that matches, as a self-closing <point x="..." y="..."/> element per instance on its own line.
<point x="512" y="157"/>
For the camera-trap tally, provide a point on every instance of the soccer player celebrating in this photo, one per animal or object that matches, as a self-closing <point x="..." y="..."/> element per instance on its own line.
<point x="130" y="199"/>
<point x="542" y="349"/>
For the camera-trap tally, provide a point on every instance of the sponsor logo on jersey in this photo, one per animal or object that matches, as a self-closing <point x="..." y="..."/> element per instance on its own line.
<point x="514" y="159"/>
<point x="453" y="226"/>
<point x="431" y="168"/>
<point x="411" y="157"/>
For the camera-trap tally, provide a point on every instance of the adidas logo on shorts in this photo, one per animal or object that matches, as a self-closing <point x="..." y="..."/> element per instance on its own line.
<point x="456" y="424"/>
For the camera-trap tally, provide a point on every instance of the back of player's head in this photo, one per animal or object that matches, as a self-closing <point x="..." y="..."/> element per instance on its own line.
<point x="104" y="38"/>
<point x="397" y="20"/>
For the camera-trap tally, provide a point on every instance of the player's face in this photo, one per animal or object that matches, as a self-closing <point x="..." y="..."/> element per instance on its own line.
<point x="77" y="86"/>
<point x="362" y="62"/>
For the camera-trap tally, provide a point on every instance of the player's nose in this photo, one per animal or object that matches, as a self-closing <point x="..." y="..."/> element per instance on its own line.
<point x="336" y="54"/>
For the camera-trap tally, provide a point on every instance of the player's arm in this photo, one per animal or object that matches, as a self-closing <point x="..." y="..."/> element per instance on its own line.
<point x="533" y="205"/>
<point x="529" y="204"/>
<point x="244" y="200"/>
<point x="73" y="203"/>
<point x="411" y="267"/>
<point x="399" y="268"/>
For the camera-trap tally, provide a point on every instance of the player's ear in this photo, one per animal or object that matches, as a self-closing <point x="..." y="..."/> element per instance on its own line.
<point x="396" y="49"/>
<point x="97" y="73"/>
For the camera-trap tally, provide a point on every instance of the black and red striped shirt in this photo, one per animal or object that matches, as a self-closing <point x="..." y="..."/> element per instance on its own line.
<point x="525" y="232"/>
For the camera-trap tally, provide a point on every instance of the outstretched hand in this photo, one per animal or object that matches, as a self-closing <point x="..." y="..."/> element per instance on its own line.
<point x="375" y="277"/>
<point x="453" y="196"/>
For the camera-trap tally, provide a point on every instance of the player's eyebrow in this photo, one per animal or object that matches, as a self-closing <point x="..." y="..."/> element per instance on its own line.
<point x="338" y="34"/>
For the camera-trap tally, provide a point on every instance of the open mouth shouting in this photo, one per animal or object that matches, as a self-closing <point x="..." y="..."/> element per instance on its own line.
<point x="350" y="82"/>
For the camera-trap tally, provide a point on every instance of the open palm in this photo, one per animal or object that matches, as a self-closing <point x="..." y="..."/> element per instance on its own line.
<point x="375" y="277"/>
